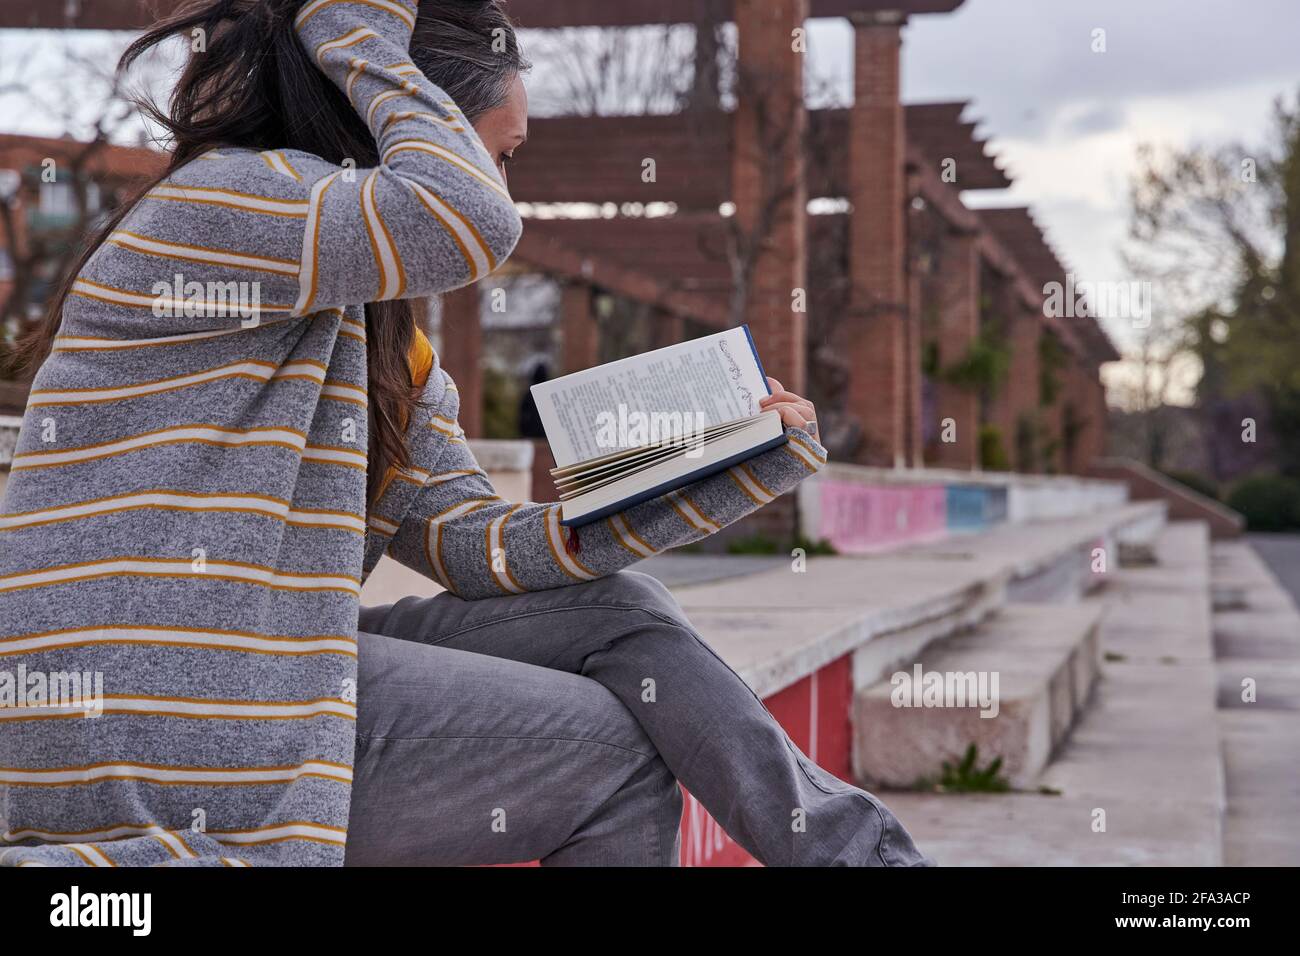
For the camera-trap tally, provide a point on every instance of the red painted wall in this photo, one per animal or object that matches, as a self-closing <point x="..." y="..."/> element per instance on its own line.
<point x="815" y="713"/>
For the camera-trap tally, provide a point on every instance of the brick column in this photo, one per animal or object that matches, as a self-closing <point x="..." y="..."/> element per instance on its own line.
<point x="913" y="411"/>
<point x="768" y="189"/>
<point x="1025" y="328"/>
<point x="1101" y="413"/>
<point x="669" y="329"/>
<point x="876" y="335"/>
<point x="959" y="323"/>
<point x="1087" y="398"/>
<point x="461" y="353"/>
<point x="579" y="331"/>
<point x="1052" y="416"/>
<point x="1003" y="308"/>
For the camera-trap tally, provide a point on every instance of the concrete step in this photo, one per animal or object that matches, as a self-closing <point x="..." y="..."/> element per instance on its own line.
<point x="1045" y="660"/>
<point x="1146" y="752"/>
<point x="777" y="627"/>
<point x="1259" y="639"/>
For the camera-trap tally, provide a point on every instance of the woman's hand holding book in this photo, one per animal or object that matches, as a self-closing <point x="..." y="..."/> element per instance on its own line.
<point x="795" y="411"/>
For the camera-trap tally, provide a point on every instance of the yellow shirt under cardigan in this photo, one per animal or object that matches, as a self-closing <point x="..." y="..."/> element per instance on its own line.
<point x="420" y="358"/>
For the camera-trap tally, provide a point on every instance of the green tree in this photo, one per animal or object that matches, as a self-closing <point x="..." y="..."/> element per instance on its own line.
<point x="1217" y="231"/>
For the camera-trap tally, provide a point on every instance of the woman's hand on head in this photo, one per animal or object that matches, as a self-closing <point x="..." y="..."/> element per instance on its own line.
<point x="796" y="412"/>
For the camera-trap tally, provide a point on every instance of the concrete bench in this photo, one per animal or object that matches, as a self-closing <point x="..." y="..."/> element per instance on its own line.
<point x="1046" y="660"/>
<point x="1140" y="780"/>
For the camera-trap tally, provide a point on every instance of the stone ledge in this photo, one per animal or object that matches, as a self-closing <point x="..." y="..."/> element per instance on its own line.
<point x="1047" y="660"/>
<point x="775" y="627"/>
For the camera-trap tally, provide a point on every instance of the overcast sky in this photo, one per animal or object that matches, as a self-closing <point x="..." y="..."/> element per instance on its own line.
<point x="1068" y="121"/>
<point x="1065" y="121"/>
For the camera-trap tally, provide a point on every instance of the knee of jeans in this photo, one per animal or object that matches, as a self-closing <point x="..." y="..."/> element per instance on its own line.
<point x="896" y="845"/>
<point x="643" y="591"/>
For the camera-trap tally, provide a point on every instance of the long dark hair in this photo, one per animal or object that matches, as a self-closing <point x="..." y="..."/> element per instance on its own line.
<point x="255" y="86"/>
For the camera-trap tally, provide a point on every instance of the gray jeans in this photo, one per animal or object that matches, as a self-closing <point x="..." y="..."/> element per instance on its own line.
<point x="555" y="725"/>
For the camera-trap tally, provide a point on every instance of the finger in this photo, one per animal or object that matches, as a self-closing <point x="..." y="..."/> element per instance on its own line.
<point x="774" y="385"/>
<point x="784" y="396"/>
<point x="805" y="407"/>
<point x="794" y="418"/>
<point x="792" y="398"/>
<point x="792" y="415"/>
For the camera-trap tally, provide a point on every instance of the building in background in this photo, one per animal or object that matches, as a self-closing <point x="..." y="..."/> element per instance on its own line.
<point x="53" y="191"/>
<point x="917" y="324"/>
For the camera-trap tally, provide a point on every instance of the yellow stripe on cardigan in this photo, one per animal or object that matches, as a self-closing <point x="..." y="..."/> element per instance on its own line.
<point x="91" y="343"/>
<point x="250" y="369"/>
<point x="433" y="538"/>
<point x="203" y="254"/>
<point x="167" y="499"/>
<point x="407" y="89"/>
<point x="242" y="642"/>
<point x="628" y="537"/>
<point x="189" y="708"/>
<point x="172" y="776"/>
<point x="494" y="539"/>
<point x="403" y="115"/>
<point x="425" y="146"/>
<point x="566" y="562"/>
<point x="396" y="9"/>
<point x="691" y="514"/>
<point x="349" y="39"/>
<point x="392" y="281"/>
<point x="229" y="198"/>
<point x="87" y="289"/>
<point x="203" y="434"/>
<point x="309" y="264"/>
<point x="468" y="240"/>
<point x="276" y="161"/>
<point x="804" y="454"/>
<point x="180" y="568"/>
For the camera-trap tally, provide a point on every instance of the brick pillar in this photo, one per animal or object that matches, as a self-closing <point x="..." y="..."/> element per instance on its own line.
<point x="1101" y="413"/>
<point x="876" y="339"/>
<point x="768" y="189"/>
<point x="959" y="322"/>
<point x="1087" y="398"/>
<point x="579" y="331"/>
<point x="17" y="211"/>
<point x="1004" y="306"/>
<point x="1052" y="416"/>
<point x="1025" y="328"/>
<point x="913" y="426"/>
<point x="461" y="353"/>
<point x="669" y="329"/>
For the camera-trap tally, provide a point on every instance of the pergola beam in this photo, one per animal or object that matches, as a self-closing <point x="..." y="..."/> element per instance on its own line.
<point x="138" y="14"/>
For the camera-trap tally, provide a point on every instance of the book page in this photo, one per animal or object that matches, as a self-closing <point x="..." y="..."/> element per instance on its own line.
<point x="648" y="398"/>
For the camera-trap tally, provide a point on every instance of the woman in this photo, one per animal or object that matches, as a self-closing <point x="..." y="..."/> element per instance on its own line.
<point x="199" y="491"/>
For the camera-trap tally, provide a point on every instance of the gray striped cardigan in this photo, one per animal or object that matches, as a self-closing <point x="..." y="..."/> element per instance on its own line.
<point x="186" y="516"/>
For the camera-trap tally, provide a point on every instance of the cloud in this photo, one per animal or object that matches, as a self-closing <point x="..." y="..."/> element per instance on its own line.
<point x="1095" y="118"/>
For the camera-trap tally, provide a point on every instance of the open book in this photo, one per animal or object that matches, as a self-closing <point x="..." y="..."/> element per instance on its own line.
<point x="635" y="429"/>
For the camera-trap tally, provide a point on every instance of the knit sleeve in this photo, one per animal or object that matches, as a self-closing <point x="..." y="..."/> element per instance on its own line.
<point x="435" y="180"/>
<point x="462" y="534"/>
<point x="239" y="237"/>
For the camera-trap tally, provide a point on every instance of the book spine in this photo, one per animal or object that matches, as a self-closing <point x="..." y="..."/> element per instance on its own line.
<point x="754" y="348"/>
